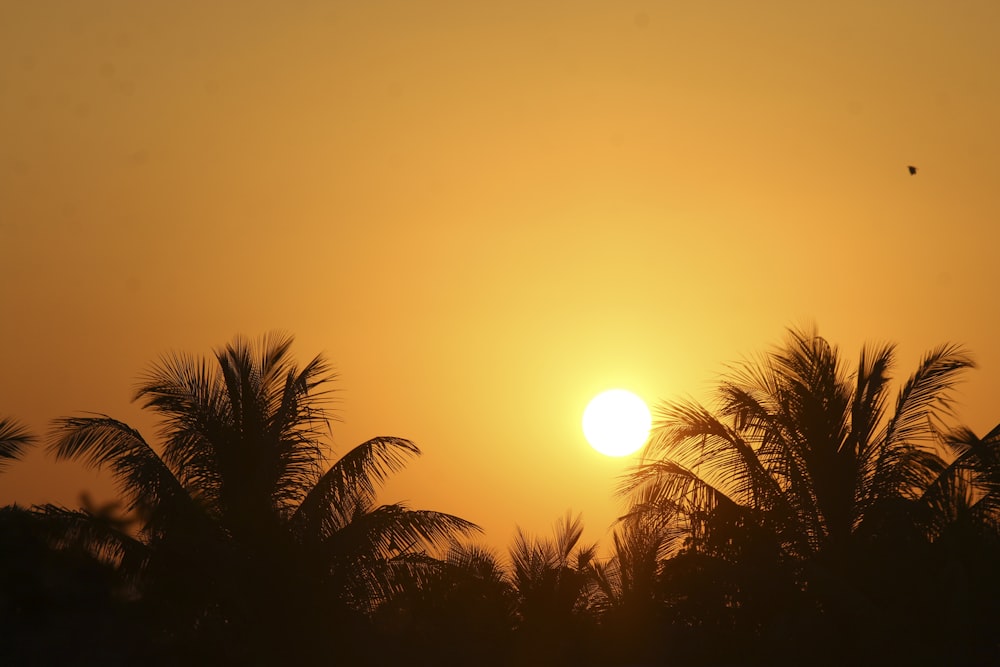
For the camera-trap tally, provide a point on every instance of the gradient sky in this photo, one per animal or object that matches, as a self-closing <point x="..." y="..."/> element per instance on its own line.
<point x="484" y="213"/>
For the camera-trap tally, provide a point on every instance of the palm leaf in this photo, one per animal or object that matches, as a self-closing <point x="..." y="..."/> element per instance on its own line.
<point x="186" y="394"/>
<point x="65" y="528"/>
<point x="14" y="441"/>
<point x="390" y="530"/>
<point x="298" y="420"/>
<point x="142" y="476"/>
<point x="477" y="560"/>
<point x="246" y="433"/>
<point x="870" y="396"/>
<point x="330" y="503"/>
<point x="927" y="395"/>
<point x="359" y="556"/>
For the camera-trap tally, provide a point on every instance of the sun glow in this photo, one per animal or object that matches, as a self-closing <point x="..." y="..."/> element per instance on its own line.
<point x="616" y="422"/>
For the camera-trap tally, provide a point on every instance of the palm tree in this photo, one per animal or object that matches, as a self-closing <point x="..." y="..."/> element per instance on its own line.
<point x="554" y="586"/>
<point x="797" y="475"/>
<point x="245" y="530"/>
<point x="963" y="504"/>
<point x="464" y="607"/>
<point x="629" y="584"/>
<point x="967" y="489"/>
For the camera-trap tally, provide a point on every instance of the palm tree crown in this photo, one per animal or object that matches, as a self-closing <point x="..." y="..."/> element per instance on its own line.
<point x="797" y="445"/>
<point x="801" y="495"/>
<point x="240" y="488"/>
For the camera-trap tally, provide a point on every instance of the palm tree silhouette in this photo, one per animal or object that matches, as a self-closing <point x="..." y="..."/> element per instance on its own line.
<point x="465" y="607"/>
<point x="963" y="505"/>
<point x="801" y="479"/>
<point x="245" y="535"/>
<point x="967" y="489"/>
<point x="629" y="596"/>
<point x="554" y="585"/>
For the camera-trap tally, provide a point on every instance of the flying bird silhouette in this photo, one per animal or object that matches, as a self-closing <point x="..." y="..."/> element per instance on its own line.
<point x="913" y="170"/>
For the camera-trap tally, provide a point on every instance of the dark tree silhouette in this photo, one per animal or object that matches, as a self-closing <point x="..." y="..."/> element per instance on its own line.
<point x="964" y="509"/>
<point x="461" y="612"/>
<point x="793" y="490"/>
<point x="249" y="547"/>
<point x="628" y="600"/>
<point x="810" y="516"/>
<point x="553" y="584"/>
<point x="58" y="602"/>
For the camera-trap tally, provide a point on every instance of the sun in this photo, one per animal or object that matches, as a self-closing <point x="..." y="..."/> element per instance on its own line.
<point x="616" y="422"/>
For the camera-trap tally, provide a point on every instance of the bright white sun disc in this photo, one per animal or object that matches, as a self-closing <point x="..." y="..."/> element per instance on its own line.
<point x="616" y="422"/>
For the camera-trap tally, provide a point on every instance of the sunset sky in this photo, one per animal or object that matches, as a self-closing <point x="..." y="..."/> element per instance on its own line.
<point x="484" y="213"/>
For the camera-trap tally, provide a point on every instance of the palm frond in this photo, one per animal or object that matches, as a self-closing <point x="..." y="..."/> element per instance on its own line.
<point x="529" y="559"/>
<point x="362" y="557"/>
<point x="246" y="432"/>
<point x="552" y="577"/>
<point x="981" y="454"/>
<point x="639" y="545"/>
<point x="480" y="561"/>
<point x="390" y="530"/>
<point x="901" y="460"/>
<point x="14" y="441"/>
<point x="970" y="484"/>
<point x="297" y="422"/>
<point x="927" y="395"/>
<point x="868" y="402"/>
<point x="568" y="532"/>
<point x="187" y="395"/>
<point x="868" y="423"/>
<point x="812" y="407"/>
<point x="142" y="476"/>
<point x="948" y="496"/>
<point x="329" y="504"/>
<point x="66" y="528"/>
<point x="706" y="449"/>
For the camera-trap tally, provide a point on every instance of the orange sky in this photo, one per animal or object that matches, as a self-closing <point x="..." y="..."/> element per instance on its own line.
<point x="485" y="213"/>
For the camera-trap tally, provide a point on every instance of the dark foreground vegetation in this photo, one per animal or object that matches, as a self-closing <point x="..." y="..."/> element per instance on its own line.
<point x="813" y="514"/>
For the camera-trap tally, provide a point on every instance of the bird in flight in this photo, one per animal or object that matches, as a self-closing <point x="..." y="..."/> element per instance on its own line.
<point x="913" y="170"/>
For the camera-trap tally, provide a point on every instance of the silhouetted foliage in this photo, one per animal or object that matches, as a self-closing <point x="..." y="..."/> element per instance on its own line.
<point x="14" y="441"/>
<point x="461" y="610"/>
<point x="799" y="503"/>
<point x="965" y="528"/>
<point x="627" y="600"/>
<point x="808" y="517"/>
<point x="57" y="606"/>
<point x="553" y="584"/>
<point x="247" y="548"/>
